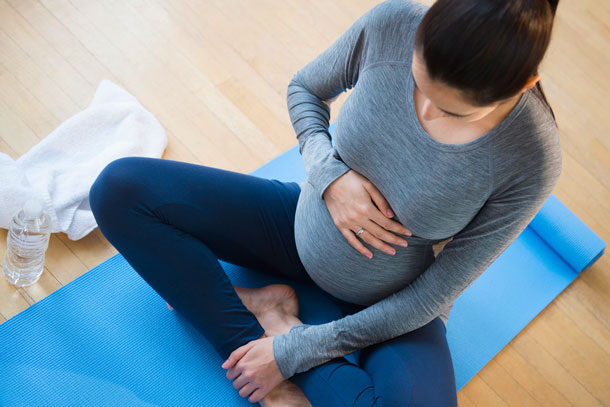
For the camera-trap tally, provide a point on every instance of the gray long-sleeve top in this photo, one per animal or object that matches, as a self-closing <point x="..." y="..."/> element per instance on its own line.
<point x="482" y="193"/>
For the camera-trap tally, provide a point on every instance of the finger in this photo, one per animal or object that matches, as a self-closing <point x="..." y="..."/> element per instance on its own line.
<point x="351" y="238"/>
<point x="377" y="236"/>
<point x="389" y="224"/>
<point x="240" y="381"/>
<point x="383" y="206"/>
<point x="373" y="233"/>
<point x="257" y="395"/>
<point x="379" y="229"/>
<point x="236" y="355"/>
<point x="377" y="243"/>
<point x="233" y="373"/>
<point x="247" y="390"/>
<point x="379" y="199"/>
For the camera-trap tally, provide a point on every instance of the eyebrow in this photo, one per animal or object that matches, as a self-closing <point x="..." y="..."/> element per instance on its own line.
<point x="449" y="113"/>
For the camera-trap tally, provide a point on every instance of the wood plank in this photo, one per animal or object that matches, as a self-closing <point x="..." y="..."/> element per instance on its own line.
<point x="174" y="92"/>
<point x="584" y="319"/>
<point x="34" y="78"/>
<point x="65" y="42"/>
<point x="581" y="291"/>
<point x="565" y="326"/>
<point x="544" y="361"/>
<point x="29" y="109"/>
<point x="478" y="390"/>
<point x="506" y="387"/>
<point x="15" y="133"/>
<point x="530" y="378"/>
<point x="62" y="263"/>
<point x="464" y="400"/>
<point x="56" y="67"/>
<point x="588" y="367"/>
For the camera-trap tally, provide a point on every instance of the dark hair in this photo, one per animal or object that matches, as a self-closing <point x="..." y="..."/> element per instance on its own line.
<point x="487" y="49"/>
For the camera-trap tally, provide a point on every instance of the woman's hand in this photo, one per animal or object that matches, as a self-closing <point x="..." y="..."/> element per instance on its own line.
<point x="253" y="369"/>
<point x="350" y="199"/>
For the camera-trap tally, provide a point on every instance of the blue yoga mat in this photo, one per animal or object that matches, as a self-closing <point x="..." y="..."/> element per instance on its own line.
<point x="108" y="339"/>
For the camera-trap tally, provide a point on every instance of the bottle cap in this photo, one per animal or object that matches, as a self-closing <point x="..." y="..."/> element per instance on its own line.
<point x="32" y="208"/>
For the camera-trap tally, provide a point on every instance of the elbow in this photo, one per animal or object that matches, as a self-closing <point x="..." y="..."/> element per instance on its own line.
<point x="296" y="85"/>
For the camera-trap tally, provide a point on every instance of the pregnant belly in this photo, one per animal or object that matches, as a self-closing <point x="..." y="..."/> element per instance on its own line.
<point x="343" y="272"/>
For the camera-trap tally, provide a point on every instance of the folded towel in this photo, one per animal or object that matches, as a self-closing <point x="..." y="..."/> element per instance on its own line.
<point x="61" y="168"/>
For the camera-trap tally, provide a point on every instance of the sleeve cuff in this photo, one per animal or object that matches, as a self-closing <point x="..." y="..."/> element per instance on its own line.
<point x="322" y="162"/>
<point x="334" y="170"/>
<point x="284" y="356"/>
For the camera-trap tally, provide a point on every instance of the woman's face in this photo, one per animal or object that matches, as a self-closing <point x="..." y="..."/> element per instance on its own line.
<point x="441" y="101"/>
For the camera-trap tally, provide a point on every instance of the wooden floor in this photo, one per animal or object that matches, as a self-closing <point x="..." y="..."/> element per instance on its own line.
<point x="215" y="72"/>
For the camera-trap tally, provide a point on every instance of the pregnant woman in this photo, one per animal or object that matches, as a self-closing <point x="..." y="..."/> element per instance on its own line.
<point x="447" y="135"/>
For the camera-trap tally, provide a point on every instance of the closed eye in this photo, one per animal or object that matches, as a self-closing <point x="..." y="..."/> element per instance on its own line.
<point x="452" y="115"/>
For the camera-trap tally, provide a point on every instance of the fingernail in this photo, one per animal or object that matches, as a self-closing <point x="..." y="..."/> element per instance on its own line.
<point x="369" y="255"/>
<point x="403" y="244"/>
<point x="389" y="212"/>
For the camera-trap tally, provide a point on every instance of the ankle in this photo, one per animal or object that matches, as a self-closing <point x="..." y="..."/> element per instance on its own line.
<point x="277" y="323"/>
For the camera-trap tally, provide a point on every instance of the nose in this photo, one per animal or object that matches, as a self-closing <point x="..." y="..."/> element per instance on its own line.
<point x="430" y="112"/>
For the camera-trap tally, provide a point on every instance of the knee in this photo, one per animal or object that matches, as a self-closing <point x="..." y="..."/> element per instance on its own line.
<point x="111" y="186"/>
<point x="400" y="396"/>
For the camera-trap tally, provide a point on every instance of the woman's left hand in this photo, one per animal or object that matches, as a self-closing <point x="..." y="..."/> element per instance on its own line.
<point x="253" y="369"/>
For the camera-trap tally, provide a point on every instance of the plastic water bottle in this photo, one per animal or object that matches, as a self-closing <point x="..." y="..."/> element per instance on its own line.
<point x="27" y="242"/>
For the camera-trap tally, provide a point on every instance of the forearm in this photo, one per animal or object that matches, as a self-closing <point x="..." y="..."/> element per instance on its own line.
<point x="310" y="119"/>
<point x="307" y="346"/>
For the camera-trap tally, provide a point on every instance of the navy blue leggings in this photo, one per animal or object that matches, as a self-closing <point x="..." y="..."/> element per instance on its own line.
<point x="173" y="220"/>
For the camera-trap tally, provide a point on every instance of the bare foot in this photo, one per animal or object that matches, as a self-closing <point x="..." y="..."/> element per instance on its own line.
<point x="276" y="307"/>
<point x="285" y="394"/>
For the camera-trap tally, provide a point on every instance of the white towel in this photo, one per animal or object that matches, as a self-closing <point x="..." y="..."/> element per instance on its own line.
<point x="61" y="168"/>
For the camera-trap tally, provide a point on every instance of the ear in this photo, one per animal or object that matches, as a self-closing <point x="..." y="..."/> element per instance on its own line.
<point x="531" y="82"/>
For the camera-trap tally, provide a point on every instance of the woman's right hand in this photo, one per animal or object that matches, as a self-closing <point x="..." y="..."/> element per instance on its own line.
<point x="350" y="199"/>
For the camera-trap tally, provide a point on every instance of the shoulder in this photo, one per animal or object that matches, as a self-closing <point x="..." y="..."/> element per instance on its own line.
<point x="390" y="29"/>
<point x="391" y="8"/>
<point x="390" y="13"/>
<point x="527" y="154"/>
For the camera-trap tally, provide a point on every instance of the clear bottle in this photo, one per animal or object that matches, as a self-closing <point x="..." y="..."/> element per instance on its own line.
<point x="27" y="242"/>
